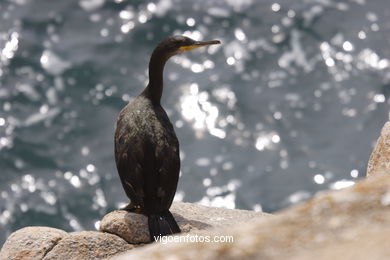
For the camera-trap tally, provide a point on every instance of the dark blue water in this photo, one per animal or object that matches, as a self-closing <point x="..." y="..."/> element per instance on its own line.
<point x="290" y="104"/>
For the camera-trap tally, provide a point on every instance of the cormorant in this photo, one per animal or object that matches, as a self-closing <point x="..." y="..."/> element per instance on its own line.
<point x="146" y="146"/>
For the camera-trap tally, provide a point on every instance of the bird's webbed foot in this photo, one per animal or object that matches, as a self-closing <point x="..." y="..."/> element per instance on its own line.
<point x="132" y="208"/>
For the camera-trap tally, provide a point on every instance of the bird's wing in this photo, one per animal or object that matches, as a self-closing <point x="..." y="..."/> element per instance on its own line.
<point x="168" y="165"/>
<point x="129" y="168"/>
<point x="168" y="174"/>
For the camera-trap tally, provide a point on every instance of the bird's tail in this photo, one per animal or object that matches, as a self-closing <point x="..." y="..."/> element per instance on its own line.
<point x="161" y="225"/>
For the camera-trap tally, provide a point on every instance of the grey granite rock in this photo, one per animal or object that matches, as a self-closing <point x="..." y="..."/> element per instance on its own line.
<point x="351" y="224"/>
<point x="30" y="243"/>
<point x="129" y="226"/>
<point x="133" y="227"/>
<point x="87" y="245"/>
<point x="380" y="156"/>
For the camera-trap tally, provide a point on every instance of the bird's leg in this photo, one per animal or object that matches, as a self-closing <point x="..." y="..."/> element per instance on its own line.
<point x="132" y="208"/>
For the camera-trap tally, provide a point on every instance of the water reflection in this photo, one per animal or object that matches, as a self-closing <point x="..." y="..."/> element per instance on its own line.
<point x="196" y="107"/>
<point x="11" y="46"/>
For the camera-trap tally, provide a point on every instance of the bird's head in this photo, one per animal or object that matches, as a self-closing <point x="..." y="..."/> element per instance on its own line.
<point x="179" y="44"/>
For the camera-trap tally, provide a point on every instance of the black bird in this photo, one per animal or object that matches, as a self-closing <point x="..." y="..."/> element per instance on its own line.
<point x="146" y="146"/>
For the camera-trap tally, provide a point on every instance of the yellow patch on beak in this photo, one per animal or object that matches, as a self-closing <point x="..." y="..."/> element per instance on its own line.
<point x="190" y="47"/>
<point x="198" y="44"/>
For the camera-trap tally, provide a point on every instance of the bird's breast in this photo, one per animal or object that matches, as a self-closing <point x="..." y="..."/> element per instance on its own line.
<point x="143" y="122"/>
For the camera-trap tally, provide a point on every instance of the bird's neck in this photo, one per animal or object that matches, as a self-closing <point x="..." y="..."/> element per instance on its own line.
<point x="156" y="70"/>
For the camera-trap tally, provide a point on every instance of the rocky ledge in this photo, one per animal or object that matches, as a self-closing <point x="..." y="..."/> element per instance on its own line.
<point x="120" y="232"/>
<point x="353" y="223"/>
<point x="33" y="243"/>
<point x="190" y="217"/>
<point x="380" y="157"/>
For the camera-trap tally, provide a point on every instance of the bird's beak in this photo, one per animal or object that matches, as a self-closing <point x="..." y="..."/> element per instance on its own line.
<point x="199" y="44"/>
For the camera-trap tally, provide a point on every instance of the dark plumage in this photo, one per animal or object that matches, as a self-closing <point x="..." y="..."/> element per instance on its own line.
<point x="146" y="146"/>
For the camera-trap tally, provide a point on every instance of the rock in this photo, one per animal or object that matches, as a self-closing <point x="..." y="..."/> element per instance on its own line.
<point x="134" y="229"/>
<point x="353" y="223"/>
<point x="380" y="156"/>
<point x="192" y="217"/>
<point x="87" y="245"/>
<point x="50" y="243"/>
<point x="31" y="243"/>
<point x="129" y="226"/>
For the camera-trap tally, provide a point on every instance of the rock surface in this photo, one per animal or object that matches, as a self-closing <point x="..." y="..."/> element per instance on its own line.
<point x="380" y="156"/>
<point x="88" y="245"/>
<point x="35" y="243"/>
<point x="190" y="217"/>
<point x="131" y="227"/>
<point x="50" y="243"/>
<point x="31" y="243"/>
<point x="349" y="224"/>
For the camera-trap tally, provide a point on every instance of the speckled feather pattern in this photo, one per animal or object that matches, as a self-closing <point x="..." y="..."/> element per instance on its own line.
<point x="147" y="155"/>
